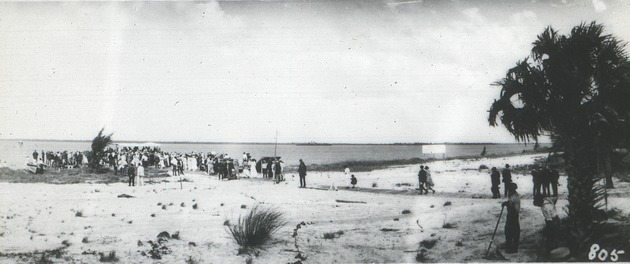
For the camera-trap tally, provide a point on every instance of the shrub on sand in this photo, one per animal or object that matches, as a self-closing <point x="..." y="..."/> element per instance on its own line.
<point x="256" y="227"/>
<point x="429" y="243"/>
<point x="333" y="235"/>
<point x="111" y="257"/>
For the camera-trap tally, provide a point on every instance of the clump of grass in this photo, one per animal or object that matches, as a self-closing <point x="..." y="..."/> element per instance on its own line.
<point x="406" y="211"/>
<point x="191" y="260"/>
<point x="459" y="243"/>
<point x="447" y="203"/>
<point x="483" y="167"/>
<point x="422" y="257"/>
<point x="110" y="257"/>
<point x="79" y="213"/>
<point x="44" y="259"/>
<point x="428" y="244"/>
<point x="85" y="240"/>
<point x="374" y="185"/>
<point x="256" y="227"/>
<point x="448" y="226"/>
<point x="243" y="206"/>
<point x="333" y="235"/>
<point x="195" y="206"/>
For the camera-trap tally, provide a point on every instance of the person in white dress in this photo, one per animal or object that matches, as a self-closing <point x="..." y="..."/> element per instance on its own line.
<point x="140" y="175"/>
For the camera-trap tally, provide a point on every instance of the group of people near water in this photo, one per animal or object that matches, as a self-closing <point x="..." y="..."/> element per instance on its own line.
<point x="57" y="160"/>
<point x="128" y="161"/>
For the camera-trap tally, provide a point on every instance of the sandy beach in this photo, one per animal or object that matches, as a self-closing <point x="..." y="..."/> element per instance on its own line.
<point x="383" y="219"/>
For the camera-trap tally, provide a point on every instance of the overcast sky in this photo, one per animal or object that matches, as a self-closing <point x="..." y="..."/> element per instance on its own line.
<point x="324" y="71"/>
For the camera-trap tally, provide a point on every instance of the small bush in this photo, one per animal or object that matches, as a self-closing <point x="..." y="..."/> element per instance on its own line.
<point x="195" y="206"/>
<point x="256" y="227"/>
<point x="483" y="167"/>
<point x="406" y="211"/>
<point x="459" y="243"/>
<point x="44" y="259"/>
<point x="428" y="244"/>
<point x="85" y="240"/>
<point x="333" y="235"/>
<point x="448" y="225"/>
<point x="191" y="260"/>
<point x="243" y="206"/>
<point x="422" y="256"/>
<point x="111" y="257"/>
<point x="79" y="214"/>
<point x="374" y="185"/>
<point x="447" y="203"/>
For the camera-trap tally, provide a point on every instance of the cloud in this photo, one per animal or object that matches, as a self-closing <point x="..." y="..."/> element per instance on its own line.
<point x="599" y="6"/>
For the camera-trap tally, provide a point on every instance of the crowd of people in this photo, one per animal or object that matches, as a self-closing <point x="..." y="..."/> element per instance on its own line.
<point x="134" y="161"/>
<point x="57" y="160"/>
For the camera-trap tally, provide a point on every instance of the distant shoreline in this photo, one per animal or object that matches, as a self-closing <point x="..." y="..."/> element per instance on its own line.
<point x="272" y="143"/>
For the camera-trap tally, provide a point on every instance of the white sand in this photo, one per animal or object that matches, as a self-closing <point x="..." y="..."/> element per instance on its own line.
<point x="41" y="216"/>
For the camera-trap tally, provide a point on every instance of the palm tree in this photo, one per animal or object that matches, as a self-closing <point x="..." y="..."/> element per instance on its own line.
<point x="576" y="89"/>
<point x="99" y="143"/>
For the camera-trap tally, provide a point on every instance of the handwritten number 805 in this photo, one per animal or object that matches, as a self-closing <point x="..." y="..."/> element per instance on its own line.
<point x="603" y="254"/>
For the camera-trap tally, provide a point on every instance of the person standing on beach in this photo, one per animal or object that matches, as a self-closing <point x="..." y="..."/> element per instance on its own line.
<point x="346" y="172"/>
<point x="552" y="221"/>
<point x="302" y="172"/>
<point x="430" y="184"/>
<point x="546" y="181"/>
<point x="269" y="169"/>
<point x="512" y="225"/>
<point x="353" y="180"/>
<point x="536" y="179"/>
<point x="495" y="177"/>
<point x="422" y="180"/>
<point x="131" y="172"/>
<point x="140" y="175"/>
<point x="507" y="179"/>
<point x="173" y="162"/>
<point x="278" y="171"/>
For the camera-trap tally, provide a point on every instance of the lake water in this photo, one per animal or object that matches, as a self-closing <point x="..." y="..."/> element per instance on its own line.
<point x="13" y="154"/>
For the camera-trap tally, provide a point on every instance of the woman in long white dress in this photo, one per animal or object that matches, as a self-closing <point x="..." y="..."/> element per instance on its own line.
<point x="252" y="169"/>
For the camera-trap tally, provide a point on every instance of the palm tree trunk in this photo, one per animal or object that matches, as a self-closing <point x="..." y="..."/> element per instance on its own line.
<point x="581" y="167"/>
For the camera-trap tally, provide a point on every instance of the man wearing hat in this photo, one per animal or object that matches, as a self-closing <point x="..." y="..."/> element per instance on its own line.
<point x="512" y="226"/>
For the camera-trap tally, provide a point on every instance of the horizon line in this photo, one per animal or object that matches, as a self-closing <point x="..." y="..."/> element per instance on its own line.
<point x="279" y="143"/>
